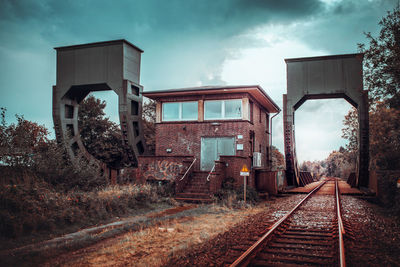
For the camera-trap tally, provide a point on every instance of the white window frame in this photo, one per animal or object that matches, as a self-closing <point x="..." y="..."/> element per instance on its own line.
<point x="223" y="109"/>
<point x="180" y="111"/>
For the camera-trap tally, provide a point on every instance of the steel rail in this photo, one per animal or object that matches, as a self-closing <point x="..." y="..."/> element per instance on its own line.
<point x="208" y="176"/>
<point x="188" y="169"/>
<point x="246" y="256"/>
<point x="341" y="230"/>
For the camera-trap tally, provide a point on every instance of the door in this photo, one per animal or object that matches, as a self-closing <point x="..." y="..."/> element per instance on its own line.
<point x="213" y="147"/>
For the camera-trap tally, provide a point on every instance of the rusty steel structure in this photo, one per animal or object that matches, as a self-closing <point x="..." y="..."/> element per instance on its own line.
<point x="337" y="76"/>
<point x="81" y="69"/>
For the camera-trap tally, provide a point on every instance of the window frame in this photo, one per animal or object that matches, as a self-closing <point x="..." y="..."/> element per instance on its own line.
<point x="223" y="109"/>
<point x="180" y="112"/>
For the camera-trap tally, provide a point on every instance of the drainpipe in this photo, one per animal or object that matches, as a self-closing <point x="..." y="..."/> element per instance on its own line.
<point x="270" y="136"/>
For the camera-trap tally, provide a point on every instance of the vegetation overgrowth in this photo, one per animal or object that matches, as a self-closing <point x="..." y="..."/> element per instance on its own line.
<point x="26" y="209"/>
<point x="232" y="197"/>
<point x="43" y="190"/>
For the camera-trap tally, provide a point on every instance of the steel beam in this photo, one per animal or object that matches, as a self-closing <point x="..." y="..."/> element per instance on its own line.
<point x="338" y="76"/>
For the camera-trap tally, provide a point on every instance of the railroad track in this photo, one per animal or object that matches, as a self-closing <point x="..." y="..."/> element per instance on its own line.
<point x="310" y="234"/>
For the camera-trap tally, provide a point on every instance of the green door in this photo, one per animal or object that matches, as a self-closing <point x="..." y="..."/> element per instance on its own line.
<point x="213" y="147"/>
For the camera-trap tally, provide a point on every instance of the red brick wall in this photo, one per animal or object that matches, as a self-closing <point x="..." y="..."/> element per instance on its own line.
<point x="234" y="165"/>
<point x="261" y="132"/>
<point x="218" y="176"/>
<point x="266" y="181"/>
<point x="161" y="167"/>
<point x="184" y="138"/>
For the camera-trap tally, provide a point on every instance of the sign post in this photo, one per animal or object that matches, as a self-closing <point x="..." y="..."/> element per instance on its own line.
<point x="244" y="172"/>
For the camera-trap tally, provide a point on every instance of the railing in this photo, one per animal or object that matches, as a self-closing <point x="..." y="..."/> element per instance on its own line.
<point x="341" y="227"/>
<point x="188" y="169"/>
<point x="208" y="176"/>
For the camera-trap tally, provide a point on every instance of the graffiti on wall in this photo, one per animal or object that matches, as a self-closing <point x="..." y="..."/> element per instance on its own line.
<point x="162" y="170"/>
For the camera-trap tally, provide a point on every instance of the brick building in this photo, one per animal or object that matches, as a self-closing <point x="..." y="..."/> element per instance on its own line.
<point x="215" y="130"/>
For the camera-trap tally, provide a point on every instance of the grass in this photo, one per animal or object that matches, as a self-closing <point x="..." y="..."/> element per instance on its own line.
<point x="155" y="245"/>
<point x="29" y="211"/>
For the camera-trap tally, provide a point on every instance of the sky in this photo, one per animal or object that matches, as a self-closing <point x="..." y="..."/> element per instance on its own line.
<point x="189" y="43"/>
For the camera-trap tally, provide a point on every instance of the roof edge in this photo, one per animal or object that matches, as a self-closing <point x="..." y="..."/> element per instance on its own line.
<point x="213" y="88"/>
<point x="200" y="88"/>
<point x="111" y="42"/>
<point x="300" y="59"/>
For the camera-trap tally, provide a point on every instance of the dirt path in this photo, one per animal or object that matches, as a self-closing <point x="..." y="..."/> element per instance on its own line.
<point x="158" y="244"/>
<point x="34" y="253"/>
<point x="154" y="245"/>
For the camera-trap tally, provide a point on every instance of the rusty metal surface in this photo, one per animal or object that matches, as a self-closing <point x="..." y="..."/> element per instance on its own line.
<point x="307" y="235"/>
<point x="81" y="69"/>
<point x="337" y="76"/>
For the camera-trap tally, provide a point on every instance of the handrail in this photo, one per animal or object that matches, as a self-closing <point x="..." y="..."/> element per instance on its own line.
<point x="208" y="176"/>
<point x="245" y="256"/>
<point x="341" y="228"/>
<point x="188" y="169"/>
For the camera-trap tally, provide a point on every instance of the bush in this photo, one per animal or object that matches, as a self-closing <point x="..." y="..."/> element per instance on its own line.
<point x="164" y="188"/>
<point x="62" y="172"/>
<point x="26" y="209"/>
<point x="231" y="196"/>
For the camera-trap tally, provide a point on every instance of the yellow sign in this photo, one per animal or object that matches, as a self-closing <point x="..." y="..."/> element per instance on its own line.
<point x="244" y="168"/>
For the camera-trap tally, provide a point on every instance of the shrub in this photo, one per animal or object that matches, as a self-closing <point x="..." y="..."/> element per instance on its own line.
<point x="230" y="195"/>
<point x="61" y="172"/>
<point x="26" y="209"/>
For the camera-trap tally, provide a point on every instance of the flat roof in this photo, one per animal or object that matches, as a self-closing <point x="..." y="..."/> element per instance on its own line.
<point x="112" y="42"/>
<point x="300" y="59"/>
<point x="255" y="90"/>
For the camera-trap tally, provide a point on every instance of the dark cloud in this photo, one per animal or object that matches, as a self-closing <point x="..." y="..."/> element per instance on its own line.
<point x="224" y="17"/>
<point x="339" y="28"/>
<point x="185" y="41"/>
<point x="285" y="8"/>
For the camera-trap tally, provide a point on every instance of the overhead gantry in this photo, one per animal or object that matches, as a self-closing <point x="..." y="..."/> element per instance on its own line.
<point x="338" y="76"/>
<point x="81" y="69"/>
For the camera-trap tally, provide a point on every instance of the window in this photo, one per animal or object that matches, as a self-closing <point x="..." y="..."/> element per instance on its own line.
<point x="179" y="111"/>
<point x="223" y="109"/>
<point x="69" y="111"/>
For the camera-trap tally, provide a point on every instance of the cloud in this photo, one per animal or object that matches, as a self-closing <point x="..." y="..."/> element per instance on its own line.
<point x="340" y="26"/>
<point x="319" y="126"/>
<point x="186" y="42"/>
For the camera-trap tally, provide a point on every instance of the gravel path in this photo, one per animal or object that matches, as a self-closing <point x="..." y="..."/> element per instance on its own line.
<point x="218" y="250"/>
<point x="373" y="238"/>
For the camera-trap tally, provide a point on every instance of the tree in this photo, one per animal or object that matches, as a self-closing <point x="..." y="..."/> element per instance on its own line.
<point x="350" y="130"/>
<point x="19" y="142"/>
<point x="101" y="137"/>
<point x="382" y="61"/>
<point x="278" y="160"/>
<point x="385" y="138"/>
<point x="149" y="124"/>
<point x="338" y="164"/>
<point x="382" y="76"/>
<point x="382" y="79"/>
